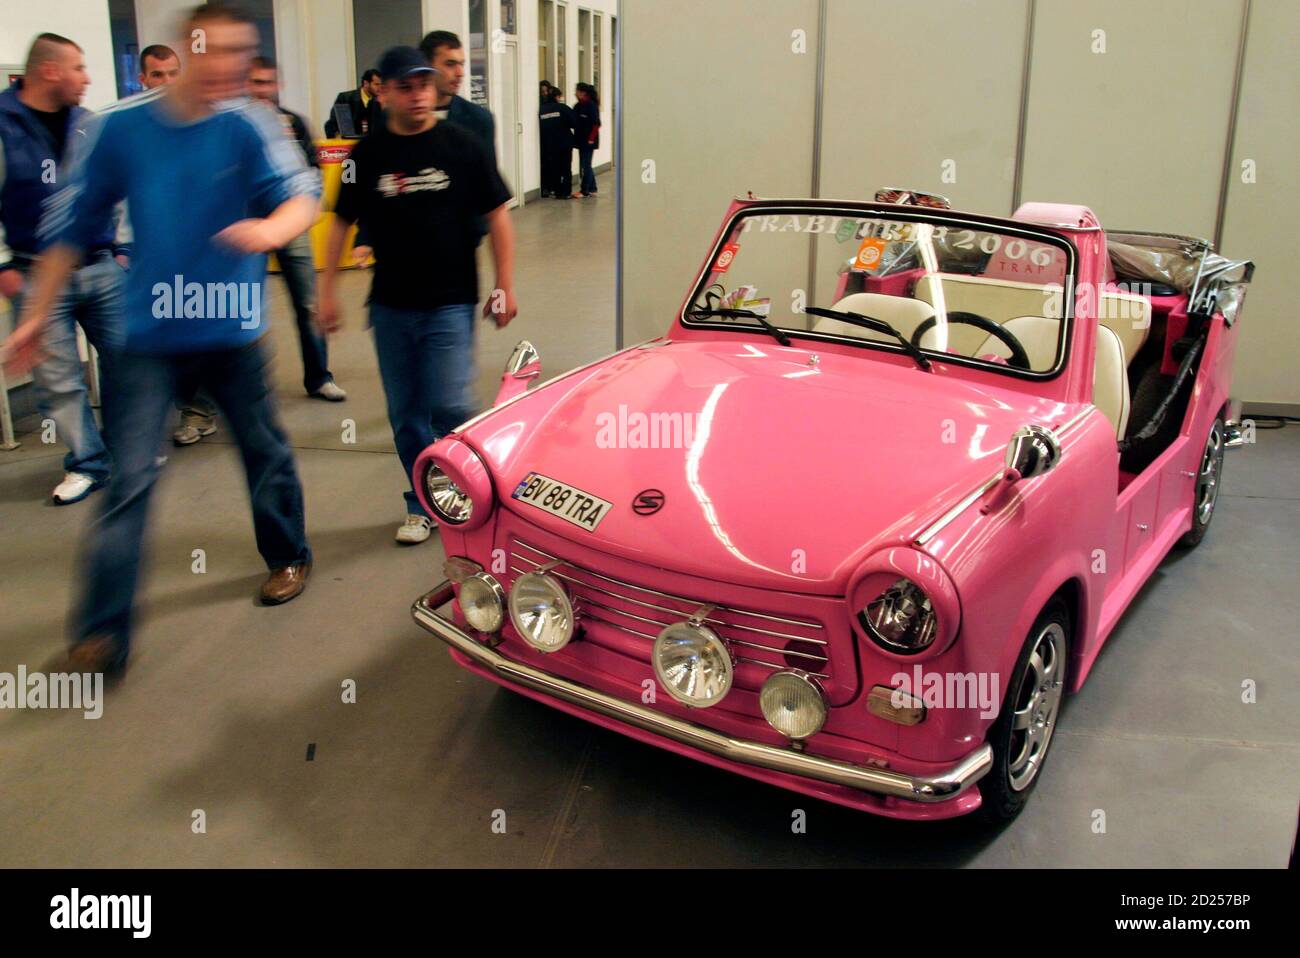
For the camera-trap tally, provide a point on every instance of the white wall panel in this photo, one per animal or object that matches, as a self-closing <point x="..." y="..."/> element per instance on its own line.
<point x="717" y="99"/>
<point x="1137" y="132"/>
<point x="923" y="95"/>
<point x="1261" y="218"/>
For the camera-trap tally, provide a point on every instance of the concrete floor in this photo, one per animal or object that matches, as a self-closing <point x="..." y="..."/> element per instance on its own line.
<point x="224" y="697"/>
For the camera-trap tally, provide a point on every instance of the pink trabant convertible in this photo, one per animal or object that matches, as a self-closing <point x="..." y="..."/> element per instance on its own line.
<point x="866" y="512"/>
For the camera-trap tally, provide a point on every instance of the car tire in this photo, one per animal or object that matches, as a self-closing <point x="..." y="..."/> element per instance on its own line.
<point x="1034" y="693"/>
<point x="1206" y="492"/>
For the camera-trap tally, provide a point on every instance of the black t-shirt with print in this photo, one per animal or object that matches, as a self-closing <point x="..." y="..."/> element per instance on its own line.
<point x="420" y="197"/>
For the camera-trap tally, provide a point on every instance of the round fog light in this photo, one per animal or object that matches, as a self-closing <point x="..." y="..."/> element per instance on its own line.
<point x="792" y="704"/>
<point x="482" y="601"/>
<point x="541" y="611"/>
<point x="693" y="664"/>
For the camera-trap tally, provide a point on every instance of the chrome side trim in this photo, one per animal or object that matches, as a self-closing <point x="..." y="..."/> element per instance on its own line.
<point x="1073" y="421"/>
<point x="932" y="530"/>
<point x="947" y="784"/>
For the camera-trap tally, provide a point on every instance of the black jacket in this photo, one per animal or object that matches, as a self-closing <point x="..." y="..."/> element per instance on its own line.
<point x="365" y="117"/>
<point x="555" y="123"/>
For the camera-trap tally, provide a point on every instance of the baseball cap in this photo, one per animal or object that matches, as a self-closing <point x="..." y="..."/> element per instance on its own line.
<point x="398" y="62"/>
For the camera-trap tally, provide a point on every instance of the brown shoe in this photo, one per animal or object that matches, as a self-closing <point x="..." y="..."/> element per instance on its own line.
<point x="100" y="654"/>
<point x="284" y="584"/>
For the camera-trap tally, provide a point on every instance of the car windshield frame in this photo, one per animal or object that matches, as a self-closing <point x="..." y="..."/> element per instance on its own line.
<point x="901" y="214"/>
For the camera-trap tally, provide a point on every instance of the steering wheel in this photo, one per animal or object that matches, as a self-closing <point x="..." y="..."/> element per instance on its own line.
<point x="1019" y="358"/>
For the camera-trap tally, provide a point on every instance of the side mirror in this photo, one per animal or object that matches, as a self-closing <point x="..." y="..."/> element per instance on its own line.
<point x="1033" y="450"/>
<point x="523" y="366"/>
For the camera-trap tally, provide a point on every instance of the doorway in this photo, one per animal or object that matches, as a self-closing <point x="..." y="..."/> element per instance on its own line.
<point x="510" y="123"/>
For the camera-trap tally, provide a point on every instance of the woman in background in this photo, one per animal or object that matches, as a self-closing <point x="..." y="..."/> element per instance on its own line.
<point x="586" y="134"/>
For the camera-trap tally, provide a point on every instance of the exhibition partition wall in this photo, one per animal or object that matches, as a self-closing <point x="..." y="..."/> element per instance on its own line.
<point x="1169" y="115"/>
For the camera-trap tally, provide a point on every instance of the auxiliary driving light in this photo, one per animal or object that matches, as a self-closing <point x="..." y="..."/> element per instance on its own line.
<point x="693" y="664"/>
<point x="482" y="602"/>
<point x="793" y="704"/>
<point x="541" y="611"/>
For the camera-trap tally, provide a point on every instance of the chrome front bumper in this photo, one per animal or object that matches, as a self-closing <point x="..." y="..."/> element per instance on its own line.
<point x="931" y="788"/>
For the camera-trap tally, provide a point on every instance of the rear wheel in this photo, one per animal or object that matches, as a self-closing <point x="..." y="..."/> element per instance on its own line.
<point x="1207" y="485"/>
<point x="1021" y="735"/>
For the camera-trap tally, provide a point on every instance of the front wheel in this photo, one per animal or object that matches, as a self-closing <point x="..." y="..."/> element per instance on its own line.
<point x="1207" y="485"/>
<point x="1021" y="735"/>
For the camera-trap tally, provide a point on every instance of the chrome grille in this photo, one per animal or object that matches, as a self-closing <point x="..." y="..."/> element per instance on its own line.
<point x="757" y="638"/>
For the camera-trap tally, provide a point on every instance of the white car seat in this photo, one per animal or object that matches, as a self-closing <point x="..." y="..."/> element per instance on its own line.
<point x="900" y="312"/>
<point x="1038" y="335"/>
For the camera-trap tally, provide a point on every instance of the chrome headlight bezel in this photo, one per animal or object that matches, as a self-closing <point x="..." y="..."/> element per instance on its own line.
<point x="901" y="619"/>
<point x="560" y="603"/>
<point x="493" y="590"/>
<point x="710" y="645"/>
<point x="449" y="502"/>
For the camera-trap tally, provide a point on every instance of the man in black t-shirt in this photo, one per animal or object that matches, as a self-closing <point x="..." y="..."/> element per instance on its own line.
<point x="420" y="187"/>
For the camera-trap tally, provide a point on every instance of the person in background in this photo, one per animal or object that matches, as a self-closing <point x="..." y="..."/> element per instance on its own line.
<point x="443" y="51"/>
<point x="202" y="253"/>
<point x="159" y="66"/>
<point x="363" y="103"/>
<point x="586" y="134"/>
<point x="297" y="265"/>
<point x="544" y="92"/>
<point x="40" y="119"/>
<point x="555" y="125"/>
<point x="422" y="187"/>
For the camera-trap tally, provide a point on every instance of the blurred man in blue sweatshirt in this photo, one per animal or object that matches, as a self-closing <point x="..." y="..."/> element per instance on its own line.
<point x="212" y="184"/>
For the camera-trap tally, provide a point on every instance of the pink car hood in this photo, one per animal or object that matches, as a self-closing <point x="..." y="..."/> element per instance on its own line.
<point x="775" y="472"/>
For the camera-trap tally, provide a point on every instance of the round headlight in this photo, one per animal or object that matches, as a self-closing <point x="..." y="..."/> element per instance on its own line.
<point x="449" y="501"/>
<point x="901" y="618"/>
<point x="693" y="664"/>
<point x="792" y="704"/>
<point x="541" y="611"/>
<point x="482" y="600"/>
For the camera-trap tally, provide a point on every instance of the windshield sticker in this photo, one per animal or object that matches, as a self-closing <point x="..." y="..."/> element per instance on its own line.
<point x="869" y="254"/>
<point x="746" y="297"/>
<point x="723" y="262"/>
<point x="844" y="232"/>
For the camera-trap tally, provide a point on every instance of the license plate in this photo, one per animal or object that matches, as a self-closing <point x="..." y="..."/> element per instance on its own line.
<point x="571" y="504"/>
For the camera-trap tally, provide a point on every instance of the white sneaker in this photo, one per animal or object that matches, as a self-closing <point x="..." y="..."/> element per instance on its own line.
<point x="331" y="391"/>
<point x="74" y="487"/>
<point x="414" y="529"/>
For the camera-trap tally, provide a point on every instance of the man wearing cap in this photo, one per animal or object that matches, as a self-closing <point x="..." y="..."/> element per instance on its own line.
<point x="420" y="186"/>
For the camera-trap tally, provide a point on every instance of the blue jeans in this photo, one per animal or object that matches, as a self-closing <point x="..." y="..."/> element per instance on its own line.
<point x="298" y="267"/>
<point x="584" y="165"/>
<point x="137" y="406"/>
<point x="93" y="299"/>
<point x="426" y="361"/>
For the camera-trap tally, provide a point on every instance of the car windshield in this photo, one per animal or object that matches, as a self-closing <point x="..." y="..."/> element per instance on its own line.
<point x="933" y="285"/>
